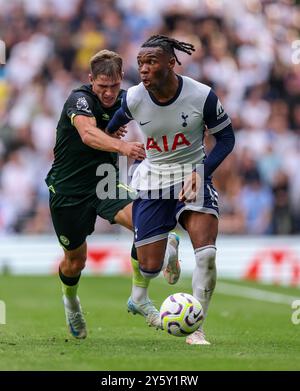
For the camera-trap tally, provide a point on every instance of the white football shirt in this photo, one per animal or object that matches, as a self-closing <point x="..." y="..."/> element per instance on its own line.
<point x="173" y="131"/>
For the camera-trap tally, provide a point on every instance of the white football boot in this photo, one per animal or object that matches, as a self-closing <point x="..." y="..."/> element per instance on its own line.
<point x="147" y="309"/>
<point x="74" y="318"/>
<point x="197" y="338"/>
<point x="172" y="271"/>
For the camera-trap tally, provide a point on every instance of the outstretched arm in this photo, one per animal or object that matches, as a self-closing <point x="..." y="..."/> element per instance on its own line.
<point x="97" y="139"/>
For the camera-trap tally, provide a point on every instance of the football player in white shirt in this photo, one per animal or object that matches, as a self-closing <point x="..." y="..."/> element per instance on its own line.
<point x="173" y="112"/>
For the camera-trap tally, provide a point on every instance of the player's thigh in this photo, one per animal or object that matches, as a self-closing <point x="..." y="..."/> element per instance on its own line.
<point x="73" y="224"/>
<point x="117" y="210"/>
<point x="200" y="218"/>
<point x="153" y="219"/>
<point x="201" y="227"/>
<point x="124" y="217"/>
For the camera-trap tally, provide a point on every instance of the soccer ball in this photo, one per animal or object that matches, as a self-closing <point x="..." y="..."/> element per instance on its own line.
<point x="181" y="314"/>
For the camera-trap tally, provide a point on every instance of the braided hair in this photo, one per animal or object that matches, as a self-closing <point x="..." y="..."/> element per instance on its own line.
<point x="169" y="45"/>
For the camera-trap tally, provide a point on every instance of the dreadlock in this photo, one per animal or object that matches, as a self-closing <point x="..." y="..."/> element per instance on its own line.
<point x="169" y="45"/>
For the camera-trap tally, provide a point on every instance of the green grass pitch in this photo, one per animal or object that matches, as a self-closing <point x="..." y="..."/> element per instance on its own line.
<point x="245" y="334"/>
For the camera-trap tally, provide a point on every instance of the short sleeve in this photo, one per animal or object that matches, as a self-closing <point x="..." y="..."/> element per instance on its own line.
<point x="79" y="103"/>
<point x="214" y="115"/>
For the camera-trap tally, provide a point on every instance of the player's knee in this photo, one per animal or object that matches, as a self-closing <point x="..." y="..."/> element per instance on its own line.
<point x="150" y="264"/>
<point x="133" y="252"/>
<point x="76" y="265"/>
<point x="150" y="272"/>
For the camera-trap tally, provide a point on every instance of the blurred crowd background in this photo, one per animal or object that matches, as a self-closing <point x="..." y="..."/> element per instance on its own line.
<point x="244" y="51"/>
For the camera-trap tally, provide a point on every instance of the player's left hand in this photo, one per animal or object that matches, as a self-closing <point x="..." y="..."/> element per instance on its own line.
<point x="190" y="188"/>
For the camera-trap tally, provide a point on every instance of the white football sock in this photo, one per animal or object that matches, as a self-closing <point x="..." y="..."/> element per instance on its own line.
<point x="139" y="291"/>
<point x="71" y="303"/>
<point x="139" y="294"/>
<point x="204" y="275"/>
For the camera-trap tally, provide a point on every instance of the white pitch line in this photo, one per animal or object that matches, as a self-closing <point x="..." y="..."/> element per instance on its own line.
<point x="254" y="293"/>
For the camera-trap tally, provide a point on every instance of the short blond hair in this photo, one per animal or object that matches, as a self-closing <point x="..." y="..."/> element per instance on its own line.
<point x="106" y="63"/>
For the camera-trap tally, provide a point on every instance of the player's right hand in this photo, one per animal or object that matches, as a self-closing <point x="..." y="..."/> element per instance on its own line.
<point x="191" y="188"/>
<point x="134" y="150"/>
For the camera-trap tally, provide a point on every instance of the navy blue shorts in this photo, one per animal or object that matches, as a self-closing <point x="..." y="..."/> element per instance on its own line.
<point x="153" y="219"/>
